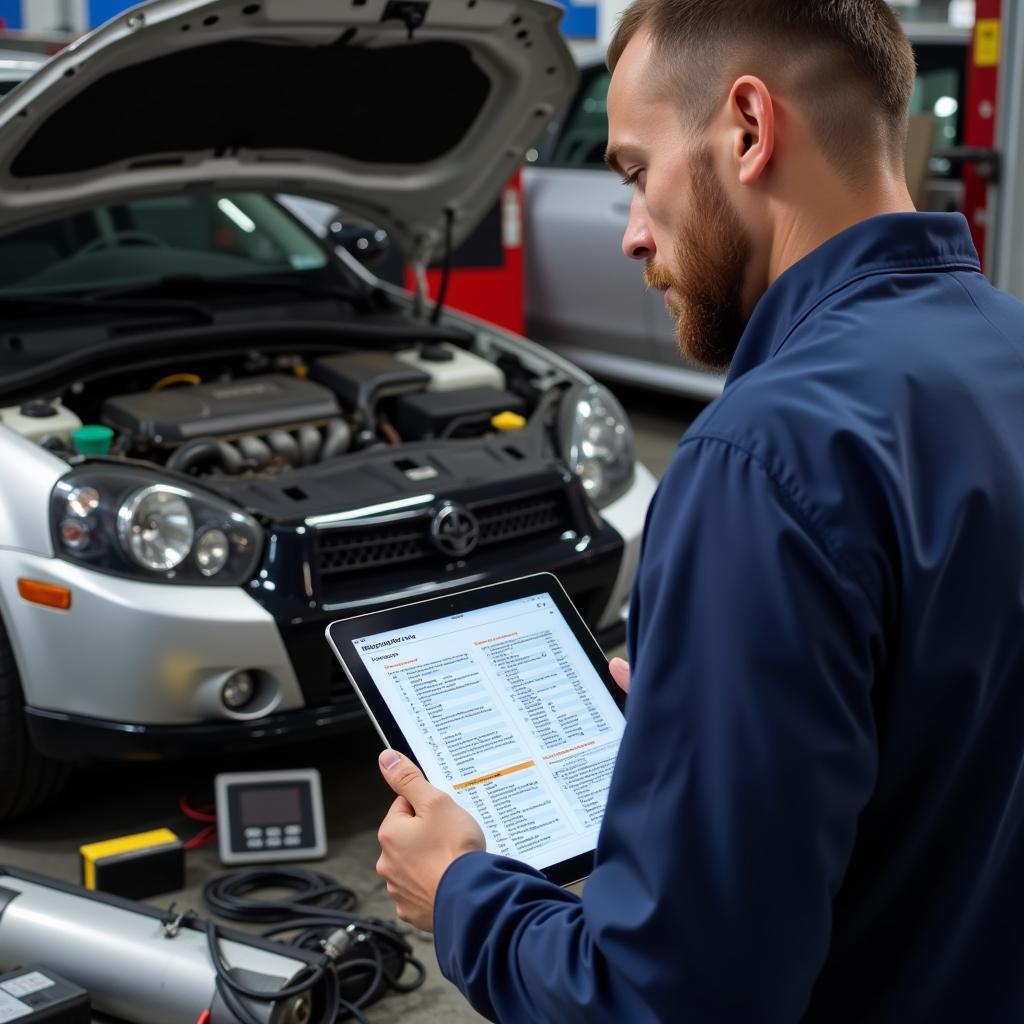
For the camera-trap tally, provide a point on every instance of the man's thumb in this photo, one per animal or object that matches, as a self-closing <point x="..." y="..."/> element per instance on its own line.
<point x="402" y="775"/>
<point x="620" y="672"/>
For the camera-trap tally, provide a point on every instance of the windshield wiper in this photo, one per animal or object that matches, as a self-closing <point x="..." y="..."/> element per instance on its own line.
<point x="97" y="304"/>
<point x="189" y="284"/>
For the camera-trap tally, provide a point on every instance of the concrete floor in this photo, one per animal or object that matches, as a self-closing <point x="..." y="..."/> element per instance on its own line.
<point x="110" y="801"/>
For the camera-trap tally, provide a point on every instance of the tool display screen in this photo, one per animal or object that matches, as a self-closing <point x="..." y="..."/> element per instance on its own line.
<point x="276" y="806"/>
<point x="270" y="816"/>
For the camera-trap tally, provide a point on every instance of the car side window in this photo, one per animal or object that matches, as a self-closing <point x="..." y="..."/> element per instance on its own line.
<point x="584" y="135"/>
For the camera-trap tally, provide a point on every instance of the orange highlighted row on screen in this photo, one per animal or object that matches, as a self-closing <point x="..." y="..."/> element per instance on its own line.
<point x="493" y="775"/>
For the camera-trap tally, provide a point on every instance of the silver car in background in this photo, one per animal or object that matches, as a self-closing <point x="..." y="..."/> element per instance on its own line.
<point x="587" y="301"/>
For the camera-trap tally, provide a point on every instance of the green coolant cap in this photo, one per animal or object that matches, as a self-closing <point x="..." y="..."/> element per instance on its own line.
<point x="93" y="439"/>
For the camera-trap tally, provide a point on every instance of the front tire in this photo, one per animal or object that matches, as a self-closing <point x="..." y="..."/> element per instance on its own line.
<point x="27" y="779"/>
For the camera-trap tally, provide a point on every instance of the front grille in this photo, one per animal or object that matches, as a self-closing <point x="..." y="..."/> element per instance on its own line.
<point x="525" y="517"/>
<point x="353" y="550"/>
<point x="346" y="551"/>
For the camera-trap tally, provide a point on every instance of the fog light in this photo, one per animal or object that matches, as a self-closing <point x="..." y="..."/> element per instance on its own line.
<point x="212" y="552"/>
<point x="238" y="690"/>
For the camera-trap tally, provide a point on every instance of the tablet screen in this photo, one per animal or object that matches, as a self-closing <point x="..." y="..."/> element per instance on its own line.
<point x="504" y="710"/>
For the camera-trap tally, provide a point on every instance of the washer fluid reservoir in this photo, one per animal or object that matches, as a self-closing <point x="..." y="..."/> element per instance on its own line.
<point x="452" y="368"/>
<point x="41" y="420"/>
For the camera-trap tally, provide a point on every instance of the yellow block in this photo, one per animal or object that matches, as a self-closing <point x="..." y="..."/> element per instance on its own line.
<point x="987" y="42"/>
<point x="508" y="421"/>
<point x="93" y="852"/>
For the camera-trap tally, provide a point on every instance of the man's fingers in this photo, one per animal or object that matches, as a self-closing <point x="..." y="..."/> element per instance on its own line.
<point x="620" y="672"/>
<point x="406" y="779"/>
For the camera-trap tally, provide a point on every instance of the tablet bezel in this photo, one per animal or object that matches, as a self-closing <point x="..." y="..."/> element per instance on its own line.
<point x="341" y="634"/>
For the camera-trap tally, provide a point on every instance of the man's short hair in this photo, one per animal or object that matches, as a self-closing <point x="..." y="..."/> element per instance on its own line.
<point x="847" y="63"/>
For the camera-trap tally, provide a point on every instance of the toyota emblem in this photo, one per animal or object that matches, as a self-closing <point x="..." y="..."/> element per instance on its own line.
<point x="455" y="531"/>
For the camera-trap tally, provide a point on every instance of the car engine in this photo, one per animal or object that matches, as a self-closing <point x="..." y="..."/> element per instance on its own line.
<point x="252" y="423"/>
<point x="301" y="413"/>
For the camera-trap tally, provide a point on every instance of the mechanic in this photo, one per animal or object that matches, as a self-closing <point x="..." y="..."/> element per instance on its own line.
<point x="817" y="813"/>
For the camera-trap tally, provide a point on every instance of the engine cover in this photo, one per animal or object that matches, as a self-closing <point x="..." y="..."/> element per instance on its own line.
<point x="219" y="409"/>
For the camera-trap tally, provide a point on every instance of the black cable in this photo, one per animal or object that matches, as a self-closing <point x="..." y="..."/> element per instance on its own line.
<point x="230" y="894"/>
<point x="446" y="269"/>
<point x="230" y="989"/>
<point x="365" y="957"/>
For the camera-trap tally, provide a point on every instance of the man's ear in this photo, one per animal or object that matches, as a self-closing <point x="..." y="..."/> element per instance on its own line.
<point x="752" y="123"/>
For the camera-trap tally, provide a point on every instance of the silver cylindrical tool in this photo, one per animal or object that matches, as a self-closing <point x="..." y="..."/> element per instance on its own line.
<point x="134" y="962"/>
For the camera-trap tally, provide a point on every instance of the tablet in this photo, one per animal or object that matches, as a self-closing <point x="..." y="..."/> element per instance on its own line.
<point x="503" y="698"/>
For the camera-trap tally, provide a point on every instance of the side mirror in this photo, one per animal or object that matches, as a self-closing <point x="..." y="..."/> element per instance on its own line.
<point x="367" y="242"/>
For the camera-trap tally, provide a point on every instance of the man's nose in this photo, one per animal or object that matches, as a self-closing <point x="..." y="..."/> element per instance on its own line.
<point x="637" y="242"/>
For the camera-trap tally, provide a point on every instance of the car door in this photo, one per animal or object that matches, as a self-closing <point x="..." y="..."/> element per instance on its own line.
<point x="583" y="297"/>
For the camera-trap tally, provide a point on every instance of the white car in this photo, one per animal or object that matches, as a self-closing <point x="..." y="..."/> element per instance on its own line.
<point x="217" y="434"/>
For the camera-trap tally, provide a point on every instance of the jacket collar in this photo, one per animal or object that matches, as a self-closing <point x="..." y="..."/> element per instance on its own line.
<point x="890" y="242"/>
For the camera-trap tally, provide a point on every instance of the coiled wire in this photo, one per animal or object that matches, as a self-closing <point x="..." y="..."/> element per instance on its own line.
<point x="317" y="910"/>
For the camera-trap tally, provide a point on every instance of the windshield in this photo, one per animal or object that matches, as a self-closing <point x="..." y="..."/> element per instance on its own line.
<point x="208" y="235"/>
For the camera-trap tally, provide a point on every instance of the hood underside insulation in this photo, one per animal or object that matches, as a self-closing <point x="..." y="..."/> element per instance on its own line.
<point x="403" y="105"/>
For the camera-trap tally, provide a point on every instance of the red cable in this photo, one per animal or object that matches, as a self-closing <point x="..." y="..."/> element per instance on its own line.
<point x="204" y="813"/>
<point x="204" y="1017"/>
<point x="204" y="837"/>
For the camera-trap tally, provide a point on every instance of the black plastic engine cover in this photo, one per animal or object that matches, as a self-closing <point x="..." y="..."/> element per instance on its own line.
<point x="218" y="409"/>
<point x="431" y="413"/>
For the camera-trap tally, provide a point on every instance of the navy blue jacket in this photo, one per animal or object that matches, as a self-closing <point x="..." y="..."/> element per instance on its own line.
<point x="818" y="809"/>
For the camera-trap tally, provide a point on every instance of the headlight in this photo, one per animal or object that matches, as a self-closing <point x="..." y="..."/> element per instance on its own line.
<point x="117" y="519"/>
<point x="156" y="528"/>
<point x="597" y="442"/>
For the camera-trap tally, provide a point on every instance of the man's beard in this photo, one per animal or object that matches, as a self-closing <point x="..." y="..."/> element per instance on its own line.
<point x="712" y="252"/>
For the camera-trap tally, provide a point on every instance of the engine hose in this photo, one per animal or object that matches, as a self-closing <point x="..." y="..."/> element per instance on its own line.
<point x="205" y="453"/>
<point x="338" y="440"/>
<point x="388" y="432"/>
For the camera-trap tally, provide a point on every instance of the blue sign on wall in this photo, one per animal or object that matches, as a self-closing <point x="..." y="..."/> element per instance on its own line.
<point x="103" y="10"/>
<point x="10" y="11"/>
<point x="580" y="21"/>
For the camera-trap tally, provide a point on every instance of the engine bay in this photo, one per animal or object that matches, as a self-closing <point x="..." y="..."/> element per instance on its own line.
<point x="253" y="417"/>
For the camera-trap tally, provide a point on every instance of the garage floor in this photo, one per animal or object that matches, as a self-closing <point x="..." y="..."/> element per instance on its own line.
<point x="109" y="801"/>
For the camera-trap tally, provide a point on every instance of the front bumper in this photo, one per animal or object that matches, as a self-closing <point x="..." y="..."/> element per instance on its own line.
<point x="136" y="668"/>
<point x="78" y="737"/>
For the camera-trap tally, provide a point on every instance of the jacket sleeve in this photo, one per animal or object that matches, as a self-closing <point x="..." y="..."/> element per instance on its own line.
<point x="748" y="754"/>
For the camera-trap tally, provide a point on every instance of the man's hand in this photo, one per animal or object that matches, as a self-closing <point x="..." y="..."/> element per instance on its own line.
<point x="424" y="831"/>
<point x="620" y="672"/>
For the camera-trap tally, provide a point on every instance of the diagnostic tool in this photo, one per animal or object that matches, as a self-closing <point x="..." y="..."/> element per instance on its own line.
<point x="270" y="816"/>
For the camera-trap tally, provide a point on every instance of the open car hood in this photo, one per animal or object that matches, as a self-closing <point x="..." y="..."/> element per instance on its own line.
<point x="409" y="112"/>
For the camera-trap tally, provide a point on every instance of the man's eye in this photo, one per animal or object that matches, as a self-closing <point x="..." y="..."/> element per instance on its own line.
<point x="630" y="179"/>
